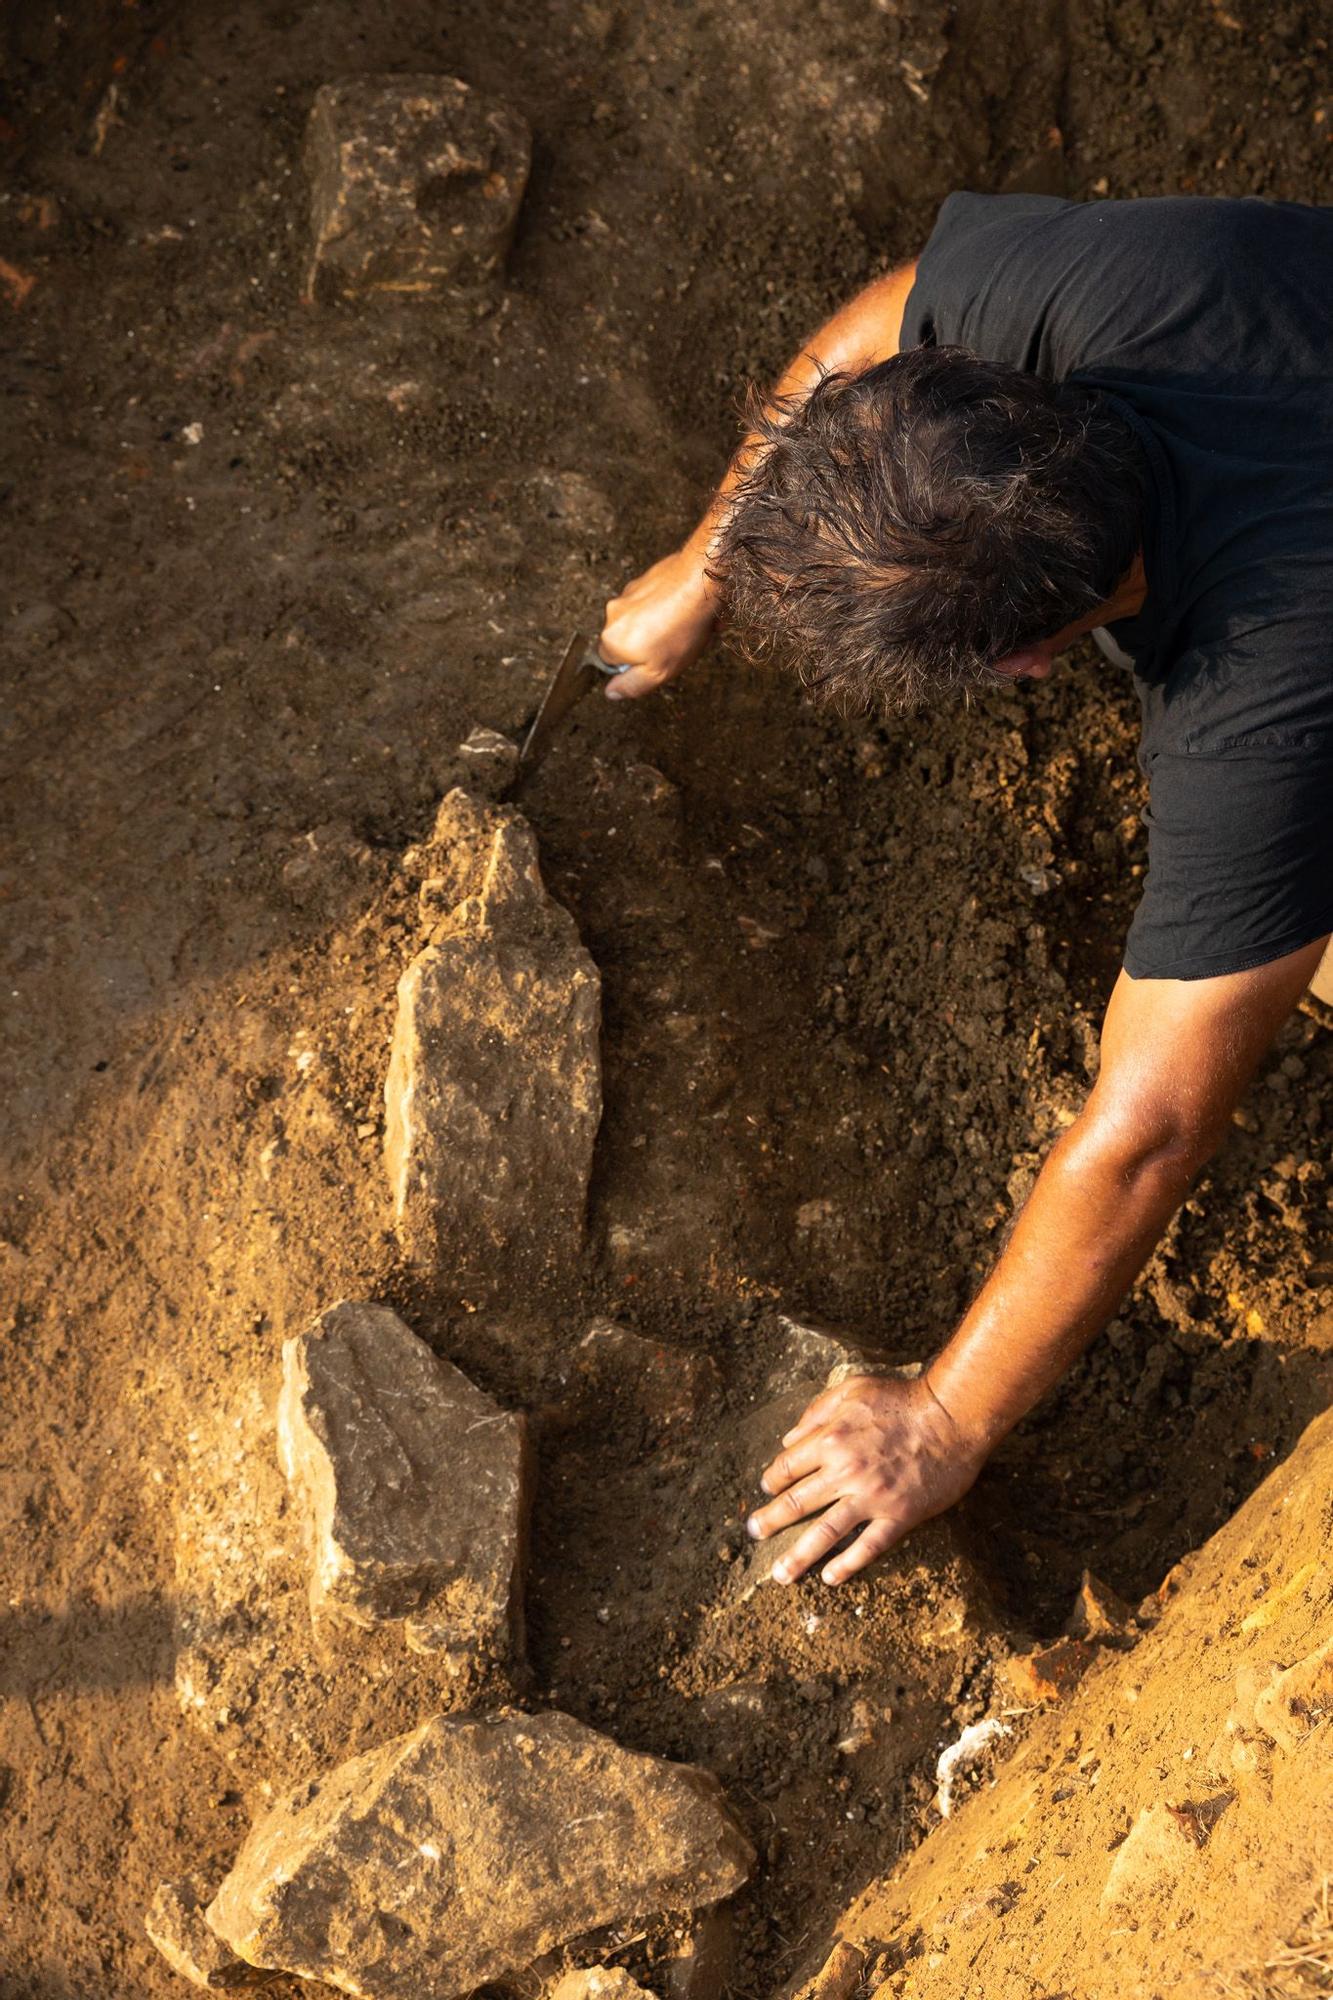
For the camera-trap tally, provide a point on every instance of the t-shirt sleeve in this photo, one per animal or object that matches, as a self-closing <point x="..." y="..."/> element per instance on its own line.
<point x="953" y="301"/>
<point x="1240" y="861"/>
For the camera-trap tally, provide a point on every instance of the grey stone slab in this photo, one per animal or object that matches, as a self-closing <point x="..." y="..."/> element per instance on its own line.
<point x="468" y="1848"/>
<point x="494" y="1094"/>
<point x="413" y="1483"/>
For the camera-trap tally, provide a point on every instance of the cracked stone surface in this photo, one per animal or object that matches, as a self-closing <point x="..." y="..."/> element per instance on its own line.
<point x="469" y="1847"/>
<point x="494" y="1089"/>
<point x="413" y="1484"/>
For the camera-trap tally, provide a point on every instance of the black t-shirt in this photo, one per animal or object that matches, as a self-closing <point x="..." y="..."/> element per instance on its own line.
<point x="1211" y="324"/>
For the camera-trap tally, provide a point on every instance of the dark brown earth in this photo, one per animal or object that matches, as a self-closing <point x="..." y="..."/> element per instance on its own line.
<point x="852" y="975"/>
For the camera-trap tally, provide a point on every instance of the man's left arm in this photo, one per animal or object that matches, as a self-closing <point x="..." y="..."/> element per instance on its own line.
<point x="884" y="1455"/>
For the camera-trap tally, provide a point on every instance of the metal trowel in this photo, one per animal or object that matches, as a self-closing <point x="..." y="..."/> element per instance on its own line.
<point x="581" y="669"/>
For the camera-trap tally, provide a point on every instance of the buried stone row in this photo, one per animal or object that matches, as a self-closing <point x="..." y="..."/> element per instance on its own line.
<point x="415" y="1834"/>
<point x="453" y="1845"/>
<point x="472" y="1844"/>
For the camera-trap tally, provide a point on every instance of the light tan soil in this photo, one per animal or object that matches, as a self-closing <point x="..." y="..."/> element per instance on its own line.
<point x="839" y="1024"/>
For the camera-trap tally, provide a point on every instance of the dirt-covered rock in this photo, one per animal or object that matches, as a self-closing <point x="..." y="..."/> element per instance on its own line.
<point x="277" y="1693"/>
<point x="466" y="1849"/>
<point x="175" y="1924"/>
<point x="597" y="1982"/>
<point x="801" y="1356"/>
<point x="414" y="1484"/>
<point x="415" y="185"/>
<point x="493" y="1094"/>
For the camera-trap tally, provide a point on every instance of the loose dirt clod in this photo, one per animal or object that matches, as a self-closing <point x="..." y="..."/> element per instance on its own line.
<point x="493" y="1095"/>
<point x="385" y="1877"/>
<point x="415" y="185"/>
<point x="414" y="1484"/>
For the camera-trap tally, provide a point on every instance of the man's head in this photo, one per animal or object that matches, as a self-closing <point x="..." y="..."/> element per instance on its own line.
<point x="910" y="531"/>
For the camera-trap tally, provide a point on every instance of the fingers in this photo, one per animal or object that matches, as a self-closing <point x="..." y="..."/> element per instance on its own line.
<point x="818" y="1539"/>
<point x="636" y="681"/>
<point x="804" y="1498"/>
<point x="873" y="1541"/>
<point x="792" y="1465"/>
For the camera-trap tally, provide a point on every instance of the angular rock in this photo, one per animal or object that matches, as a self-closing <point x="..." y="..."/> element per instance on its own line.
<point x="494" y="1095"/>
<point x="598" y="1982"/>
<point x="276" y="1693"/>
<point x="799" y="1356"/>
<point x="464" y="1850"/>
<point x="413" y="1483"/>
<point x="1150" y="1859"/>
<point x="1099" y="1613"/>
<point x="1049" y="1673"/>
<point x="415" y="185"/>
<point x="175" y="1924"/>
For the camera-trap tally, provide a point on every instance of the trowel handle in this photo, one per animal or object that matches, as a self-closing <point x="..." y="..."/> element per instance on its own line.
<point x="609" y="667"/>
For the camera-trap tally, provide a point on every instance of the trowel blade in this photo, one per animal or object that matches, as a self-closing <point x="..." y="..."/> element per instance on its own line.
<point x="580" y="669"/>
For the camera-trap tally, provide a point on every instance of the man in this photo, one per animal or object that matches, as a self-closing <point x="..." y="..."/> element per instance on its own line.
<point x="1113" y="418"/>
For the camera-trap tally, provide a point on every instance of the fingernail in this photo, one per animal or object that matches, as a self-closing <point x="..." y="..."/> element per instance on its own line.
<point x="827" y="1576"/>
<point x="764" y="1483"/>
<point x="614" y="691"/>
<point x="754" y="1528"/>
<point x="781" y="1573"/>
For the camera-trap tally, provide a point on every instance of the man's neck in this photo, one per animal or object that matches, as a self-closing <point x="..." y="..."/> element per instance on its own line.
<point x="1128" y="597"/>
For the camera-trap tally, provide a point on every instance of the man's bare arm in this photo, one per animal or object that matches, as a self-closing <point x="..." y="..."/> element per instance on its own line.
<point x="1176" y="1055"/>
<point x="664" y="619"/>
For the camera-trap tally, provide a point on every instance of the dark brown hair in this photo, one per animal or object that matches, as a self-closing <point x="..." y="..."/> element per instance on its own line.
<point x="902" y="529"/>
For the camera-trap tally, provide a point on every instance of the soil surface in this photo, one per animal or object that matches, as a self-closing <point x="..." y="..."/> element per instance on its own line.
<point x="265" y="566"/>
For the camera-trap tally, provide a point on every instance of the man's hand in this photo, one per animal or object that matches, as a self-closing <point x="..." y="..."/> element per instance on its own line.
<point x="875" y="1453"/>
<point x="660" y="623"/>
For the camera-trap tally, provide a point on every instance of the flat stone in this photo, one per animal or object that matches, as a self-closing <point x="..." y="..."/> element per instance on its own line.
<point x="276" y="1693"/>
<point x="802" y="1356"/>
<point x="1297" y="1699"/>
<point x="704" y="1967"/>
<point x="485" y="762"/>
<point x="413" y="1484"/>
<point x="494" y="1093"/>
<point x="415" y="186"/>
<point x="1151" y="1859"/>
<point x="466" y="1849"/>
<point x="175" y="1924"/>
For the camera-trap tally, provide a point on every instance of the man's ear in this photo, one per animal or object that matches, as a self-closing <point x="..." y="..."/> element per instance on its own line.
<point x="1029" y="663"/>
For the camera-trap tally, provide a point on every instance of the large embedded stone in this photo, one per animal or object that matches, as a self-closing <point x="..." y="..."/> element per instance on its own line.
<point x="465" y="1850"/>
<point x="494" y="1090"/>
<point x="276" y="1693"/>
<point x="799" y="1362"/>
<point x="413" y="1483"/>
<point x="415" y="183"/>
<point x="802" y="1357"/>
<point x="175" y="1924"/>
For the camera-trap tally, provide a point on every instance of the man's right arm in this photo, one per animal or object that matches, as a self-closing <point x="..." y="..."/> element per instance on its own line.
<point x="663" y="619"/>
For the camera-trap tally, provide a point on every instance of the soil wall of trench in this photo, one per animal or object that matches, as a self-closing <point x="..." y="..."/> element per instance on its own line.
<point x="265" y="565"/>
